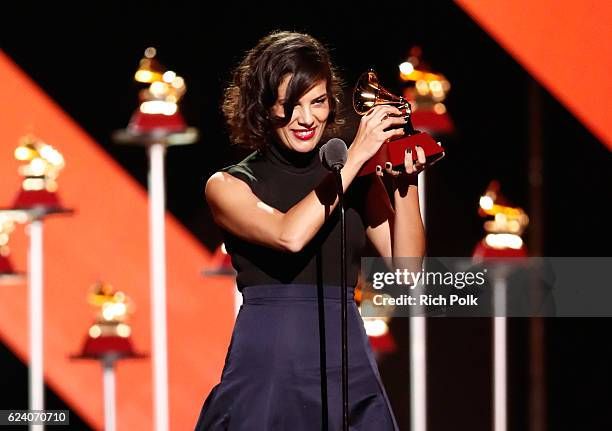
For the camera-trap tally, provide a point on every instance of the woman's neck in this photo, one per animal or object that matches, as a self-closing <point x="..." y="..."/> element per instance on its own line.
<point x="291" y="159"/>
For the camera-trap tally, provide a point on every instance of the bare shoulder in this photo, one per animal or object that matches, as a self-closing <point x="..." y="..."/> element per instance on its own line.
<point x="222" y="185"/>
<point x="236" y="208"/>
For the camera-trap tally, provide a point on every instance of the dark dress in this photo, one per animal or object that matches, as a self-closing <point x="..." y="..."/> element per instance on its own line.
<point x="278" y="374"/>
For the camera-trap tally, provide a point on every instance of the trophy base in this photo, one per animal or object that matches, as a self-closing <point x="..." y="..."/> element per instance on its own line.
<point x="150" y="123"/>
<point x="383" y="344"/>
<point x="34" y="204"/>
<point x="27" y="199"/>
<point x="108" y="350"/>
<point x="484" y="251"/>
<point x="107" y="345"/>
<point x="7" y="274"/>
<point x="394" y="150"/>
<point x="158" y="136"/>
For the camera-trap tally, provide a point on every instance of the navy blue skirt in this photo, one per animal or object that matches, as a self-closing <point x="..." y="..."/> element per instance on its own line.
<point x="278" y="375"/>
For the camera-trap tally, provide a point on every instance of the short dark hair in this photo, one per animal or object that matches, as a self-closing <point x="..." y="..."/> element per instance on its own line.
<point x="253" y="89"/>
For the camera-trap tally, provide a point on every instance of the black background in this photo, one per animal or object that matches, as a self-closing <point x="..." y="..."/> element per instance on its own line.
<point x="84" y="57"/>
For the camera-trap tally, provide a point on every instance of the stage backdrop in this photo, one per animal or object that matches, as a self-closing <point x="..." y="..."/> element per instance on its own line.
<point x="564" y="44"/>
<point x="106" y="239"/>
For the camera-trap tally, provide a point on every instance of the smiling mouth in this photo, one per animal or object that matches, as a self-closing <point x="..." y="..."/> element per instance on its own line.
<point x="304" y="134"/>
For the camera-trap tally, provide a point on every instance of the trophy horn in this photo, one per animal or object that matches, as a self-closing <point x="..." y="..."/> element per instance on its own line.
<point x="368" y="93"/>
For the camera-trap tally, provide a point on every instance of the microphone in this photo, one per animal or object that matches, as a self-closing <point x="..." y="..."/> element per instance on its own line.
<point x="333" y="154"/>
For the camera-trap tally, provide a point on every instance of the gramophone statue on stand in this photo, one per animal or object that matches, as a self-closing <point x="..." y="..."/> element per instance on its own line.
<point x="503" y="238"/>
<point x="367" y="94"/>
<point x="108" y="340"/>
<point x="36" y="200"/>
<point x="501" y="253"/>
<point x="156" y="125"/>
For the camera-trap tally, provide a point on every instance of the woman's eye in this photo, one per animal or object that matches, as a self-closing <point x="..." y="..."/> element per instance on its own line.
<point x="320" y="101"/>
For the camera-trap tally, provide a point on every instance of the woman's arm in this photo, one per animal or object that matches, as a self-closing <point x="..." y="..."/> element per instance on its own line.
<point x="408" y="229"/>
<point x="396" y="230"/>
<point x="236" y="209"/>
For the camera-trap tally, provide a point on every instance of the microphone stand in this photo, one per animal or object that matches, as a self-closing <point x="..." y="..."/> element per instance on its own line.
<point x="343" y="298"/>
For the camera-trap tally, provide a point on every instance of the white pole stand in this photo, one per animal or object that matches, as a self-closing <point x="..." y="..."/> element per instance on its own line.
<point x="156" y="144"/>
<point x="110" y="401"/>
<point x="34" y="229"/>
<point x="500" y="403"/>
<point x="418" y="350"/>
<point x="35" y="305"/>
<point x="157" y="250"/>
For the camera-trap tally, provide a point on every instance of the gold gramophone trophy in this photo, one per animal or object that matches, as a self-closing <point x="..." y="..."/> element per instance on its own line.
<point x="367" y="94"/>
<point x="110" y="333"/>
<point x="42" y="165"/>
<point x="503" y="232"/>
<point x="158" y="111"/>
<point x="426" y="92"/>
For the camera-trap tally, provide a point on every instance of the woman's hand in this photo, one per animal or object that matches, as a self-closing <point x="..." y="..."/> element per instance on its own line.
<point x="372" y="131"/>
<point x="401" y="180"/>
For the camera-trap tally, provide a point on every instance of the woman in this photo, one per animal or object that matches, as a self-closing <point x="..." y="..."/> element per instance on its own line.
<point x="276" y="209"/>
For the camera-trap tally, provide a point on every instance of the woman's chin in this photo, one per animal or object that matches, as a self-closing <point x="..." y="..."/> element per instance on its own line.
<point x="304" y="146"/>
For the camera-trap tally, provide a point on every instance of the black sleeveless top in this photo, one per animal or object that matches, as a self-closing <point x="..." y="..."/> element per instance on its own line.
<point x="281" y="178"/>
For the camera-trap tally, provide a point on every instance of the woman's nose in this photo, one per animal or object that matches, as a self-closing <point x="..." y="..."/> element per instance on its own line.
<point x="305" y="117"/>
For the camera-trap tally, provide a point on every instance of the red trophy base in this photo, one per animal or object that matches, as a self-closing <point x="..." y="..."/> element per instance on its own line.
<point x="8" y="274"/>
<point x="394" y="150"/>
<point x="5" y="266"/>
<point x="221" y="264"/>
<point x="383" y="344"/>
<point x="106" y="345"/>
<point x="29" y="199"/>
<point x="150" y="123"/>
<point x="483" y="251"/>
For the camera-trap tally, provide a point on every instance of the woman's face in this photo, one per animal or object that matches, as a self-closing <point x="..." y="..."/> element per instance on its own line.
<point x="303" y="132"/>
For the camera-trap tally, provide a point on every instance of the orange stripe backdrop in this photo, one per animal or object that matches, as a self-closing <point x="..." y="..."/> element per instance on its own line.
<point x="564" y="44"/>
<point x="106" y="239"/>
